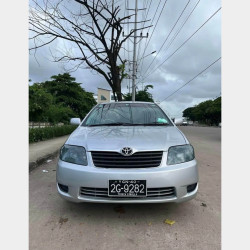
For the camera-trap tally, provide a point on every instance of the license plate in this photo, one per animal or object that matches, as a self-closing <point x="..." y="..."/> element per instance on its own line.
<point x="129" y="188"/>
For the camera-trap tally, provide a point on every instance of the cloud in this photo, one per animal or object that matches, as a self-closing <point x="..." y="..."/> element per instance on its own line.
<point x="200" y="51"/>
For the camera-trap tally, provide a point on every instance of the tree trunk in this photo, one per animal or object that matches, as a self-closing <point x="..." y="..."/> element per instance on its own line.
<point x="118" y="89"/>
<point x="119" y="96"/>
<point x="114" y="94"/>
<point x="116" y="81"/>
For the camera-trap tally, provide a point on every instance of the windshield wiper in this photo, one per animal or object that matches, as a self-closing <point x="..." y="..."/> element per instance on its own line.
<point x="129" y="124"/>
<point x="112" y="124"/>
<point x="154" y="124"/>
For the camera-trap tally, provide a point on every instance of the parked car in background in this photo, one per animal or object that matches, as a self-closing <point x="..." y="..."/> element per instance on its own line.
<point x="127" y="152"/>
<point x="184" y="123"/>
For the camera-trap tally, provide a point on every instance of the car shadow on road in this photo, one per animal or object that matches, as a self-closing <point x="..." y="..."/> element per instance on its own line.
<point x="100" y="212"/>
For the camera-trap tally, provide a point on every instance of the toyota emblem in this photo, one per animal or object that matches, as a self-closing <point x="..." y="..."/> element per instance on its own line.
<point x="127" y="151"/>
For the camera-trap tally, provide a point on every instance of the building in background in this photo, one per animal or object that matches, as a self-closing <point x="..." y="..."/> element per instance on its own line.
<point x="104" y="95"/>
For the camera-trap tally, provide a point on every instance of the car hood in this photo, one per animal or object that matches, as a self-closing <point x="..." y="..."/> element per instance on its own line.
<point x="114" y="138"/>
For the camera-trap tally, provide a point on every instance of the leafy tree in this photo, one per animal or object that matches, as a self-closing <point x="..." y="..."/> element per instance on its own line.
<point x="201" y="112"/>
<point x="215" y="111"/>
<point x="68" y="93"/>
<point x="59" y="113"/>
<point x="39" y="101"/>
<point x="208" y="112"/>
<point x="59" y="100"/>
<point x="141" y="95"/>
<point x="189" y="113"/>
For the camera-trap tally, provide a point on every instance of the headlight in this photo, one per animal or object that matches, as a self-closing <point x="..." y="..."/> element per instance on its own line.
<point x="74" y="154"/>
<point x="180" y="154"/>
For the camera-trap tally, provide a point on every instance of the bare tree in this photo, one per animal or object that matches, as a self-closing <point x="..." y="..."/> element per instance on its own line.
<point x="93" y="29"/>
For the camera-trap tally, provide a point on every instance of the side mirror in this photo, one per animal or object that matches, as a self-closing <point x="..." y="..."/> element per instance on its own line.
<point x="75" y="121"/>
<point x="178" y="121"/>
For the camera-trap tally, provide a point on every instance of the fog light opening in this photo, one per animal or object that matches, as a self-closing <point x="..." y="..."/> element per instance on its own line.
<point x="191" y="188"/>
<point x="63" y="188"/>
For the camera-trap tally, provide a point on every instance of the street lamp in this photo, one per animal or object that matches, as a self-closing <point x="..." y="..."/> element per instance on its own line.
<point x="147" y="55"/>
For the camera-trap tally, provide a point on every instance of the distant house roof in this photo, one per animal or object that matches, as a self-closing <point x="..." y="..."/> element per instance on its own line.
<point x="105" y="89"/>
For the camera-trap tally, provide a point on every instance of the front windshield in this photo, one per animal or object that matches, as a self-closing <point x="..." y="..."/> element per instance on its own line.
<point x="127" y="114"/>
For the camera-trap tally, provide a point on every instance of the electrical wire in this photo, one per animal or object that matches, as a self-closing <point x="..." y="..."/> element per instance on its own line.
<point x="183" y="43"/>
<point x="178" y="32"/>
<point x="153" y="31"/>
<point x="150" y="25"/>
<point x="168" y="36"/>
<point x="191" y="80"/>
<point x="145" y="18"/>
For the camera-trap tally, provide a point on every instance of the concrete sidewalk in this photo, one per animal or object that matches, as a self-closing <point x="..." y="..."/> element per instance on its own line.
<point x="39" y="152"/>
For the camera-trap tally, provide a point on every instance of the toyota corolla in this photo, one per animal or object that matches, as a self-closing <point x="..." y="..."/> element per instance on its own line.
<point x="127" y="152"/>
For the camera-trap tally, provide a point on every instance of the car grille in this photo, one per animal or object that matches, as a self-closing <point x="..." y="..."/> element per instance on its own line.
<point x="165" y="192"/>
<point x="104" y="159"/>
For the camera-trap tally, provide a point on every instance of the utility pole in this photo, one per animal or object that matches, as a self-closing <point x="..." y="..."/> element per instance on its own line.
<point x="134" y="53"/>
<point x="133" y="76"/>
<point x="129" y="77"/>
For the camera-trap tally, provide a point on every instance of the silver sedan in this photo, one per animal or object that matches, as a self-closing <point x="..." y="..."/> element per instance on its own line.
<point x="127" y="152"/>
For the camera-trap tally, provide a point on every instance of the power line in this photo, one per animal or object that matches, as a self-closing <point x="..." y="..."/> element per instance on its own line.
<point x="134" y="61"/>
<point x="176" y="34"/>
<point x="147" y="7"/>
<point x="168" y="35"/>
<point x="155" y="25"/>
<point x="151" y="21"/>
<point x="146" y="43"/>
<point x="142" y="57"/>
<point x="191" y="79"/>
<point x="153" y="31"/>
<point x="145" y="18"/>
<point x="184" y="42"/>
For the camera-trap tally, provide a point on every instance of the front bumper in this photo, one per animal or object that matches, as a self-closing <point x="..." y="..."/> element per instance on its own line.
<point x="178" y="176"/>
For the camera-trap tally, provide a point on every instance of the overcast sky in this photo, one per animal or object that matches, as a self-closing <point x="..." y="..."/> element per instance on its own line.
<point x="198" y="53"/>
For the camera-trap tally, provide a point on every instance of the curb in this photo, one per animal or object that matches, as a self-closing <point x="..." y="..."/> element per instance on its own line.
<point x="41" y="160"/>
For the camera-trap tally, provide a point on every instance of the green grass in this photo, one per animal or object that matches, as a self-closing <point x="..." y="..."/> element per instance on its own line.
<point x="42" y="134"/>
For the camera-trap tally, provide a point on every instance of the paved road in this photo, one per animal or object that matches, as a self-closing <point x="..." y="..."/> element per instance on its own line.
<point x="58" y="224"/>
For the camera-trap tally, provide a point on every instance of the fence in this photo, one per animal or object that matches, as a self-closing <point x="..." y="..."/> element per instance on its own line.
<point x="43" y="124"/>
